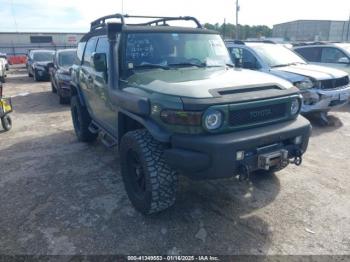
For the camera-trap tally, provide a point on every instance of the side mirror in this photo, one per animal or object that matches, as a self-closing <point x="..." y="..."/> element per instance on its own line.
<point x="238" y="62"/>
<point x="99" y="61"/>
<point x="344" y="60"/>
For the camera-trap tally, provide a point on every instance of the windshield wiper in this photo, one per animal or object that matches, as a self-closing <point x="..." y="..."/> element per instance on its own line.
<point x="188" y="64"/>
<point x="289" y="64"/>
<point x="149" y="66"/>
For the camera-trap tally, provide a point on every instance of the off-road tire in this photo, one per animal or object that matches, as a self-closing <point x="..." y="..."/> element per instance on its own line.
<point x="81" y="121"/>
<point x="36" y="77"/>
<point x="6" y="122"/>
<point x="53" y="88"/>
<point x="160" y="180"/>
<point x="63" y="100"/>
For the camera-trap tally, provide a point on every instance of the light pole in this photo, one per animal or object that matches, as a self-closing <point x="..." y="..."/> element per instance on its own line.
<point x="237" y="11"/>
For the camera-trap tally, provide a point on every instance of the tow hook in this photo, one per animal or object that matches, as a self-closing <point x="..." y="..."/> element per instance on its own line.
<point x="243" y="173"/>
<point x="298" y="159"/>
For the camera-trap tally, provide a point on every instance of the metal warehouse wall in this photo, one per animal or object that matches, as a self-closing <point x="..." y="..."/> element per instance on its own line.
<point x="20" y="43"/>
<point x="313" y="30"/>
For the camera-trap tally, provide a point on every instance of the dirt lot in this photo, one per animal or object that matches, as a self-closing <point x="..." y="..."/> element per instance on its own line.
<point x="58" y="196"/>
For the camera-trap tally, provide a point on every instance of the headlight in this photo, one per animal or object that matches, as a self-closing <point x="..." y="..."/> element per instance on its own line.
<point x="295" y="106"/>
<point x="183" y="118"/>
<point x="305" y="84"/>
<point x="212" y="119"/>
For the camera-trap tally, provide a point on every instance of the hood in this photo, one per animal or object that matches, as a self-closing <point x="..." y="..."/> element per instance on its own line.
<point x="43" y="63"/>
<point x="296" y="73"/>
<point x="200" y="82"/>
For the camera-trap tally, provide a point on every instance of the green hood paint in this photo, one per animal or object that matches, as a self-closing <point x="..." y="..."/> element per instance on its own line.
<point x="197" y="82"/>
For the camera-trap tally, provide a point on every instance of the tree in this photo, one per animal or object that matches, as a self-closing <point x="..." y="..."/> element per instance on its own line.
<point x="246" y="31"/>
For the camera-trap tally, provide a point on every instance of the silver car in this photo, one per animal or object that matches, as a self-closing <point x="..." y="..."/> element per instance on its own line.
<point x="335" y="55"/>
<point x="323" y="88"/>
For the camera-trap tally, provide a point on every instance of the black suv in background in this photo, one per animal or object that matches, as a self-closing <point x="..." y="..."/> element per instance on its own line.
<point x="38" y="64"/>
<point x="60" y="74"/>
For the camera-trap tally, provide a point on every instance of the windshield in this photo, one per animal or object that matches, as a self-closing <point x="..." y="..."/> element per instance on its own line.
<point x="66" y="58"/>
<point x="43" y="56"/>
<point x="166" y="50"/>
<point x="275" y="55"/>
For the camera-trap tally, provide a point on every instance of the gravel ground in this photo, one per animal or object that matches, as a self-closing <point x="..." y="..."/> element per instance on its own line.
<point x="59" y="196"/>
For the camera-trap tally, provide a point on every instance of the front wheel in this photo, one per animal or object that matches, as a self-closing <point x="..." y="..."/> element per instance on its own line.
<point x="6" y="122"/>
<point x="149" y="182"/>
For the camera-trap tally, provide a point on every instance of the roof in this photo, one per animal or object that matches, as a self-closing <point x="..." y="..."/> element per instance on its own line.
<point x="41" y="51"/>
<point x="44" y="33"/>
<point x="66" y="50"/>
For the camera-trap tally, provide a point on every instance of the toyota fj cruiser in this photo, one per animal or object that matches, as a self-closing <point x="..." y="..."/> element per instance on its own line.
<point x="172" y="101"/>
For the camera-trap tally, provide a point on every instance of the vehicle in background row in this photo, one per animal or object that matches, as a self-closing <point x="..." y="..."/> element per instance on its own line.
<point x="60" y="74"/>
<point x="5" y="110"/>
<point x="172" y="101"/>
<point x="4" y="56"/>
<point x="335" y="55"/>
<point x="322" y="88"/>
<point x="2" y="70"/>
<point x="39" y="63"/>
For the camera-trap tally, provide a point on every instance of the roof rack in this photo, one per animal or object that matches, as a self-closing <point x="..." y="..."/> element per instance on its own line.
<point x="158" y="20"/>
<point x="237" y="42"/>
<point x="312" y="43"/>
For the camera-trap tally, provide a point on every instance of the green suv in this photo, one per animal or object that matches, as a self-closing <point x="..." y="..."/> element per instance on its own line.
<point x="172" y="101"/>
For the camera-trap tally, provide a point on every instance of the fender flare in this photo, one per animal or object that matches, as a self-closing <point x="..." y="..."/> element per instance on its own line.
<point x="155" y="130"/>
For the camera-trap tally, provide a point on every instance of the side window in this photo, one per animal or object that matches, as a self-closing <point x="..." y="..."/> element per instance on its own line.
<point x="331" y="55"/>
<point x="80" y="52"/>
<point x="249" y="61"/>
<point x="236" y="53"/>
<point x="103" y="46"/>
<point x="311" y="54"/>
<point x="90" y="48"/>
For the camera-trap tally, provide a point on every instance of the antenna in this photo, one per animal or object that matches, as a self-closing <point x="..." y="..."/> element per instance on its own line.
<point x="237" y="11"/>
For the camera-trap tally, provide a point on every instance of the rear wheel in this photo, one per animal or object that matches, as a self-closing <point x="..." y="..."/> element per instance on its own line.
<point x="36" y="76"/>
<point x="81" y="121"/>
<point x="63" y="100"/>
<point x="149" y="182"/>
<point x="6" y="122"/>
<point x="53" y="88"/>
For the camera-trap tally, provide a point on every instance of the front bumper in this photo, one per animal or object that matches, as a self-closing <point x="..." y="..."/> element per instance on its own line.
<point x="214" y="156"/>
<point x="42" y="74"/>
<point x="315" y="100"/>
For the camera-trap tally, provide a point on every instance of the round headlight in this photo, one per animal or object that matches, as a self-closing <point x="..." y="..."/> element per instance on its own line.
<point x="295" y="106"/>
<point x="212" y="119"/>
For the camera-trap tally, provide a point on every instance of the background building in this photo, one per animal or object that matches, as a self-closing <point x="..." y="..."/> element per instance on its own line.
<point x="14" y="44"/>
<point x="313" y="30"/>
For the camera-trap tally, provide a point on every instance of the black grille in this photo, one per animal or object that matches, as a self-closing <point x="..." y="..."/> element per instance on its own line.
<point x="256" y="115"/>
<point x="335" y="83"/>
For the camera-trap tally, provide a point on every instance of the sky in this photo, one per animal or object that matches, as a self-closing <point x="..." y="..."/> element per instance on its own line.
<point x="76" y="15"/>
